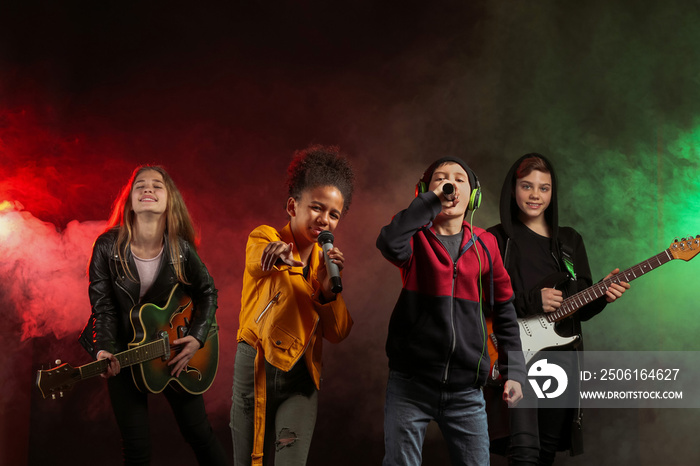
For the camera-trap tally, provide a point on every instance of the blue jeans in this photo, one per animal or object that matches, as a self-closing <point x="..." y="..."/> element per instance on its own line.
<point x="292" y="403"/>
<point x="412" y="402"/>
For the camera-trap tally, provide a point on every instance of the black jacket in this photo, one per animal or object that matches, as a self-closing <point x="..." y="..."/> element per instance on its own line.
<point x="564" y="241"/>
<point x="113" y="294"/>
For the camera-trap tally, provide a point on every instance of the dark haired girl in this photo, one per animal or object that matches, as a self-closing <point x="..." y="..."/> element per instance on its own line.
<point x="535" y="247"/>
<point x="287" y="308"/>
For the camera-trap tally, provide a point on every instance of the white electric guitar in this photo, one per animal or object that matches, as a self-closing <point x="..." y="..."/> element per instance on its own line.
<point x="537" y="332"/>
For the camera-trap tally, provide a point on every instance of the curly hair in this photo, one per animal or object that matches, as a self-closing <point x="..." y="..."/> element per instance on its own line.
<point x="319" y="165"/>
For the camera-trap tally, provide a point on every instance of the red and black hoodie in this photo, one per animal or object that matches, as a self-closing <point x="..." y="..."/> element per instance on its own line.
<point x="437" y="329"/>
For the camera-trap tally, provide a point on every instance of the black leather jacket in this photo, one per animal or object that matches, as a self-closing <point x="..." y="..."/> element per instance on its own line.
<point x="113" y="294"/>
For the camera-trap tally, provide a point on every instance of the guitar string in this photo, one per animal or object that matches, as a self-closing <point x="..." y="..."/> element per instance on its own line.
<point x="100" y="366"/>
<point x="582" y="298"/>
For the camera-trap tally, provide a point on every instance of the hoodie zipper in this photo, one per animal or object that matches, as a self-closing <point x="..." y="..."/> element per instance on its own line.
<point x="453" y="336"/>
<point x="506" y="256"/>
<point x="453" y="341"/>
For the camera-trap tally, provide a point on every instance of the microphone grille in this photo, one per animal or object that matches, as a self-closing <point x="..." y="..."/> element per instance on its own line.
<point x="325" y="237"/>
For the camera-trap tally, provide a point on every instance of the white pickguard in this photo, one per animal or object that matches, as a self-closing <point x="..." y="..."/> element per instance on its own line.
<point x="536" y="334"/>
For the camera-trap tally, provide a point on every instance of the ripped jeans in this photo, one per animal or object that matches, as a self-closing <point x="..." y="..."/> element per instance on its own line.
<point x="292" y="403"/>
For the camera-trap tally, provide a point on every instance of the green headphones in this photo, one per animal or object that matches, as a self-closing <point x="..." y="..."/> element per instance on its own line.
<point x="474" y="196"/>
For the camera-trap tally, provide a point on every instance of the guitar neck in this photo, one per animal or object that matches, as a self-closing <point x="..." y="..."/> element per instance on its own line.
<point x="590" y="294"/>
<point x="137" y="355"/>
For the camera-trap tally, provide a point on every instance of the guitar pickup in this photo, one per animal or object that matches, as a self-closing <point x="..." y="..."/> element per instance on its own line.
<point x="166" y="345"/>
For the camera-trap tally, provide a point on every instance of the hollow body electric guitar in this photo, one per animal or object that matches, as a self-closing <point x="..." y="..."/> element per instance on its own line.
<point x="537" y="332"/>
<point x="149" y="352"/>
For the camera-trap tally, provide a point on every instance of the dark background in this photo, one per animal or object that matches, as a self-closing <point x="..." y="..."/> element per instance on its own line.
<point x="222" y="94"/>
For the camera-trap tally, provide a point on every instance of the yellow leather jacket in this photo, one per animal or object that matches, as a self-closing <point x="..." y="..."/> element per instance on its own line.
<point x="283" y="318"/>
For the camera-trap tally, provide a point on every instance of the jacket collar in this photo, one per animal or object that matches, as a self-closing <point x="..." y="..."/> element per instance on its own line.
<point x="164" y="280"/>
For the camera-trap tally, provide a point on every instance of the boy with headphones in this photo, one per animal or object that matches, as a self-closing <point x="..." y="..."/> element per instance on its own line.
<point x="437" y="346"/>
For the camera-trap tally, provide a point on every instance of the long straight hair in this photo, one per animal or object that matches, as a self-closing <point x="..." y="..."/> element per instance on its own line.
<point x="178" y="223"/>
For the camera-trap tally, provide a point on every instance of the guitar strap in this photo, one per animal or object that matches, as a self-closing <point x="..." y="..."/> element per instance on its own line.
<point x="567" y="259"/>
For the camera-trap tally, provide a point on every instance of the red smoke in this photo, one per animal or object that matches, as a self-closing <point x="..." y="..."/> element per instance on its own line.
<point x="44" y="272"/>
<point x="43" y="253"/>
<point x="56" y="189"/>
<point x="43" y="261"/>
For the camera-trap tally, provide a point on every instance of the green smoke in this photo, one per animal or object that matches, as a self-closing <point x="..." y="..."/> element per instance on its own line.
<point x="610" y="91"/>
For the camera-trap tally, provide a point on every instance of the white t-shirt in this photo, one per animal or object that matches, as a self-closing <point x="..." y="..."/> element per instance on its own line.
<point x="148" y="270"/>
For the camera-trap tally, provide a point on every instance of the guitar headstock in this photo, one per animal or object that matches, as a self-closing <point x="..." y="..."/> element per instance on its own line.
<point x="685" y="248"/>
<point x="53" y="382"/>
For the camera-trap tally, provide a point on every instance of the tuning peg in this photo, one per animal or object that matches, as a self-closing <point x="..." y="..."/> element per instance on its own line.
<point x="57" y="362"/>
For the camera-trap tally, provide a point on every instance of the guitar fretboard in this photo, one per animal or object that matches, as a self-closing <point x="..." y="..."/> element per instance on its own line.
<point x="580" y="299"/>
<point x="146" y="352"/>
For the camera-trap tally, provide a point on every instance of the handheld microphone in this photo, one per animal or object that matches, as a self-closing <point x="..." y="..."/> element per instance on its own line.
<point x="325" y="240"/>
<point x="448" y="189"/>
